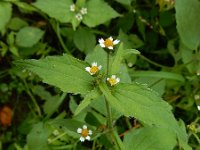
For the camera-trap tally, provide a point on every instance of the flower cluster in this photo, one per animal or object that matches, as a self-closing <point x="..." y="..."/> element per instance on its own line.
<point x="79" y="12"/>
<point x="85" y="133"/>
<point x="94" y="69"/>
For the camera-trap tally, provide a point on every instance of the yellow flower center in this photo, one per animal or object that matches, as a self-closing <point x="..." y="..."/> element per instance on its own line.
<point x="112" y="81"/>
<point x="94" y="69"/>
<point x="84" y="133"/>
<point x="108" y="43"/>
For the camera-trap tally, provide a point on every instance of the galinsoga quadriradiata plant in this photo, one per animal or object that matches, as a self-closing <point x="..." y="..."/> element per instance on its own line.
<point x="103" y="76"/>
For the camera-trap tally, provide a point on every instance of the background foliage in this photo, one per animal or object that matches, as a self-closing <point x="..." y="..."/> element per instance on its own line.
<point x="165" y="32"/>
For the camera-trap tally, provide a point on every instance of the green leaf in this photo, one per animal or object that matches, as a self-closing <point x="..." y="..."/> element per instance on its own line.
<point x="188" y="56"/>
<point x="5" y="14"/>
<point x="65" y="72"/>
<point x="118" y="57"/>
<point x="17" y="23"/>
<point x="151" y="138"/>
<point x="98" y="12"/>
<point x="58" y="9"/>
<point x="159" y="74"/>
<point x="132" y="99"/>
<point x="188" y="22"/>
<point x="28" y="36"/>
<point x="86" y="101"/>
<point x="124" y="2"/>
<point x="84" y="40"/>
<point x="117" y="60"/>
<point x="143" y="104"/>
<point x="130" y="41"/>
<point x="52" y="104"/>
<point x="99" y="106"/>
<point x="37" y="138"/>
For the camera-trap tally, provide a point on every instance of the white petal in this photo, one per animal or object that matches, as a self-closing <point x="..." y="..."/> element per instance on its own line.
<point x="118" y="80"/>
<point x="101" y="41"/>
<point x="116" y="42"/>
<point x="90" y="132"/>
<point x="84" y="127"/>
<point x="102" y="45"/>
<point x="110" y="47"/>
<point x="94" y="64"/>
<point x="87" y="69"/>
<point x="108" y="79"/>
<point x="88" y="138"/>
<point x="100" y="67"/>
<point x="79" y="130"/>
<point x="82" y="139"/>
<point x="113" y="76"/>
<point x="198" y="107"/>
<point x="110" y="38"/>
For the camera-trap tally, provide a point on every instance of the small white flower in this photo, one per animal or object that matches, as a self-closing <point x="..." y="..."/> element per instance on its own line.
<point x="49" y="140"/>
<point x="79" y="17"/>
<point x="83" y="11"/>
<point x="93" y="69"/>
<point x="196" y="97"/>
<point x="85" y="133"/>
<point x="56" y="133"/>
<point x="198" y="107"/>
<point x="72" y="7"/>
<point x="108" y="43"/>
<point x="198" y="73"/>
<point x="113" y="80"/>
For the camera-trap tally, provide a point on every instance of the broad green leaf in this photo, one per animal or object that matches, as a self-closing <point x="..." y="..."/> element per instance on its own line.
<point x="37" y="138"/>
<point x="28" y="36"/>
<point x="150" y="138"/>
<point x="52" y="104"/>
<point x="157" y="84"/>
<point x="73" y="106"/>
<point x="117" y="60"/>
<point x="130" y="41"/>
<point x="99" y="106"/>
<point x="5" y="14"/>
<point x="25" y="7"/>
<point x="188" y="56"/>
<point x="132" y="99"/>
<point x="188" y="22"/>
<point x="118" y="57"/>
<point x="143" y="104"/>
<point x="98" y="12"/>
<point x="125" y="2"/>
<point x="86" y="101"/>
<point x="17" y="23"/>
<point x="58" y="9"/>
<point x="84" y="40"/>
<point x="159" y="74"/>
<point x="65" y="72"/>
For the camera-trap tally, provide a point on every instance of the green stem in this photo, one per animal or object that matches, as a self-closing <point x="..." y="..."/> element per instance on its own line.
<point x="32" y="98"/>
<point x="60" y="39"/>
<point x="154" y="63"/>
<point x="113" y="133"/>
<point x="56" y="138"/>
<point x="108" y="108"/>
<point x="197" y="138"/>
